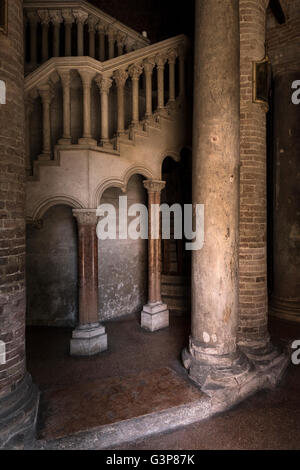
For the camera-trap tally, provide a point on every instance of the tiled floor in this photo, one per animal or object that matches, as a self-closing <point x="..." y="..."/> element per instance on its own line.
<point x="133" y="377"/>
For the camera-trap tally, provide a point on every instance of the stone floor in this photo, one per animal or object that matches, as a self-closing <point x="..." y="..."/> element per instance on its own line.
<point x="123" y="382"/>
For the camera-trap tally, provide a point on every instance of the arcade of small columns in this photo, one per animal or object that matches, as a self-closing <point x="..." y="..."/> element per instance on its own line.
<point x="104" y="82"/>
<point x="118" y="41"/>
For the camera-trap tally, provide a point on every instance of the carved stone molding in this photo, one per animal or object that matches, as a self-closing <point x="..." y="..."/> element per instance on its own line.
<point x="85" y="216"/>
<point x="104" y="83"/>
<point x="154" y="186"/>
<point x="120" y="76"/>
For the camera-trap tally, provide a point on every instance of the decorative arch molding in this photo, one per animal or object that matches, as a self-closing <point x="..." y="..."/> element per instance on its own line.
<point x="45" y="205"/>
<point x="121" y="183"/>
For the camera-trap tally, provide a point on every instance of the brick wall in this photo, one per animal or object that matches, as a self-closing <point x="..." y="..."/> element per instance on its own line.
<point x="253" y="204"/>
<point x="12" y="198"/>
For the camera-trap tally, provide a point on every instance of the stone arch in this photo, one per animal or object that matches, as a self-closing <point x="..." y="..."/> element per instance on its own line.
<point x="120" y="182"/>
<point x="43" y="206"/>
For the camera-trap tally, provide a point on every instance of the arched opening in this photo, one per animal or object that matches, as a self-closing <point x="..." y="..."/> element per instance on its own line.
<point x="123" y="263"/>
<point x="51" y="269"/>
<point x="176" y="261"/>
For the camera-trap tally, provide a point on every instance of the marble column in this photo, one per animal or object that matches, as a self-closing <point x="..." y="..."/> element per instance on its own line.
<point x="46" y="93"/>
<point x="92" y="21"/>
<point x="68" y="21"/>
<point x="111" y="43"/>
<point x="81" y="18"/>
<point x="120" y="43"/>
<point x="212" y="358"/>
<point x="89" y="338"/>
<point x="172" y="54"/>
<point x="45" y="19"/>
<point x="160" y="63"/>
<point x="285" y="300"/>
<point x="56" y="19"/>
<point x="66" y="81"/>
<point x="148" y="70"/>
<point x="33" y="22"/>
<point x="87" y="77"/>
<point x="135" y="72"/>
<point x="120" y="76"/>
<point x="155" y="314"/>
<point x="101" y="34"/>
<point x="104" y="83"/>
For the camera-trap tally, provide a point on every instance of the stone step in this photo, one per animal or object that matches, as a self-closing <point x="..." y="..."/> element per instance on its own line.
<point x="173" y="279"/>
<point x="175" y="303"/>
<point x="179" y="290"/>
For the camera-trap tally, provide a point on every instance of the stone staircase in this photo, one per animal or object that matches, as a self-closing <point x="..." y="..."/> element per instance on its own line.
<point x="175" y="291"/>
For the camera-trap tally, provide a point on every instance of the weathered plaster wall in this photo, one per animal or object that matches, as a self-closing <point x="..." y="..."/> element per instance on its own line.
<point x="51" y="269"/>
<point x="123" y="263"/>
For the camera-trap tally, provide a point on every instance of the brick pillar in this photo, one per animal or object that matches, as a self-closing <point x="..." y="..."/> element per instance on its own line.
<point x="253" y="336"/>
<point x="253" y="330"/>
<point x="18" y="397"/>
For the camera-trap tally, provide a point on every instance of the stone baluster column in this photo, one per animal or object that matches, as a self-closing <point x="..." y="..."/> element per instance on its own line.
<point x="56" y="19"/>
<point x="148" y="69"/>
<point x="66" y="81"/>
<point x="120" y="76"/>
<point x="285" y="300"/>
<point x="33" y="22"/>
<point x="135" y="72"/>
<point x="45" y="19"/>
<point x="68" y="21"/>
<point x="101" y="34"/>
<point x="253" y="336"/>
<point x="47" y="94"/>
<point x="172" y="55"/>
<point x="80" y="17"/>
<point x="29" y="107"/>
<point x="87" y="77"/>
<point x="104" y="83"/>
<point x="160" y="62"/>
<point x="181" y="55"/>
<point x="212" y="358"/>
<point x="155" y="314"/>
<point x="89" y="338"/>
<point x="120" y="43"/>
<point x="111" y="42"/>
<point x="92" y="21"/>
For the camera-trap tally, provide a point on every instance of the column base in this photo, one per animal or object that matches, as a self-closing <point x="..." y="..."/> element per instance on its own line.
<point x="88" y="340"/>
<point x="64" y="141"/>
<point x="217" y="372"/>
<point x="87" y="141"/>
<point x="155" y="317"/>
<point x="18" y="416"/>
<point x="224" y="376"/>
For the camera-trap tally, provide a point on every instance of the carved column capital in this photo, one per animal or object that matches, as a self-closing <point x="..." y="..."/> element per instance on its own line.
<point x="154" y="186"/>
<point x="46" y="92"/>
<point x="149" y="65"/>
<point x="44" y="16"/>
<point x="135" y="70"/>
<point x="67" y="16"/>
<point x="56" y="17"/>
<point x="121" y="38"/>
<point x="172" y="56"/>
<point x="160" y="60"/>
<point x="101" y="28"/>
<point x="87" y="77"/>
<point x="92" y="22"/>
<point x="80" y="16"/>
<point x="104" y="83"/>
<point x="85" y="216"/>
<point x="65" y="77"/>
<point x="111" y="33"/>
<point x="120" y="76"/>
